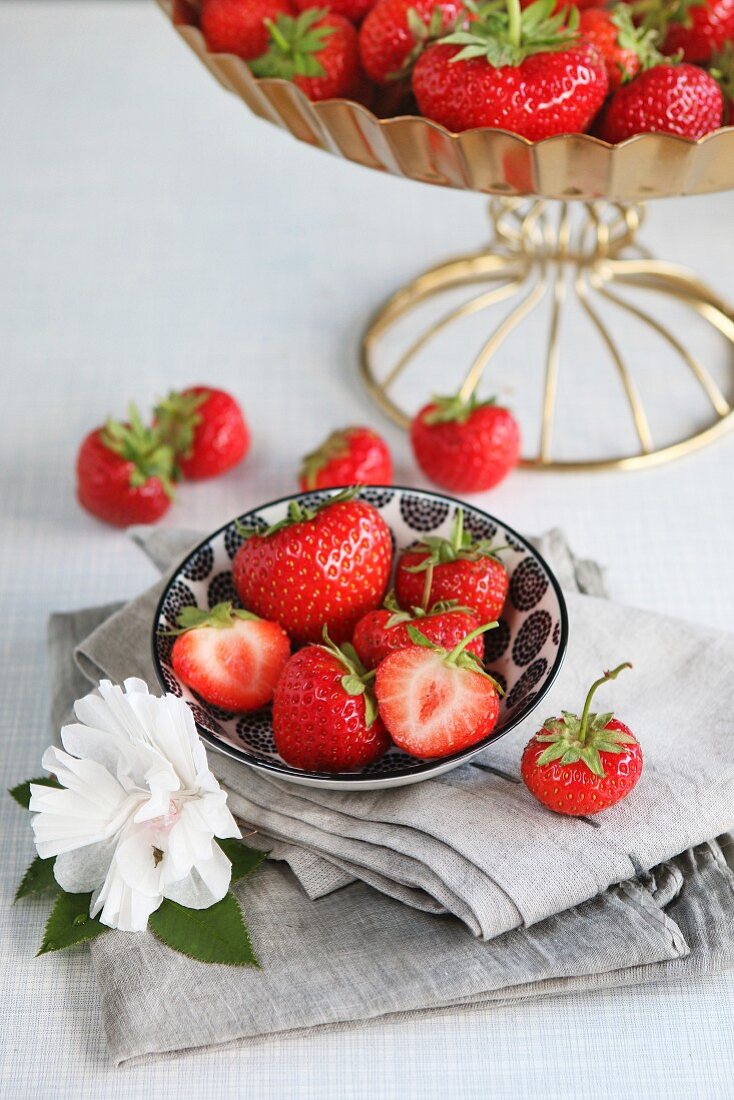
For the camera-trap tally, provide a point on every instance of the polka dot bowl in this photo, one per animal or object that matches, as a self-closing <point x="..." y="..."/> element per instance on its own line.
<point x="524" y="653"/>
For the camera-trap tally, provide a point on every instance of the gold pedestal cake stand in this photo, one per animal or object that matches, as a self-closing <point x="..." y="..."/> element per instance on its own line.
<point x="584" y="245"/>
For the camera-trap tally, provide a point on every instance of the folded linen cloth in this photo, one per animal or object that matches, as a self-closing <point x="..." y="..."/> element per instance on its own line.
<point x="357" y="954"/>
<point x="473" y="842"/>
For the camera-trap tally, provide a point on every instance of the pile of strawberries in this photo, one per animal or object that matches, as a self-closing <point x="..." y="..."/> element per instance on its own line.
<point x="537" y="69"/>
<point x="369" y="669"/>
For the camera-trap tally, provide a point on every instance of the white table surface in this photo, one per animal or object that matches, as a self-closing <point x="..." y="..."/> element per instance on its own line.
<point x="154" y="234"/>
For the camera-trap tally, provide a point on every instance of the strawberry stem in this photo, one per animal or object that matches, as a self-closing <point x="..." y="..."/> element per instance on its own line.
<point x="427" y="587"/>
<point x="459" y="649"/>
<point x="276" y="35"/>
<point x="514" y="29"/>
<point x="597" y="684"/>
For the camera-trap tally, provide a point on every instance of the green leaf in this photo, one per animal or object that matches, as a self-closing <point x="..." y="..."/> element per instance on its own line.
<point x="591" y="758"/>
<point x="70" y="923"/>
<point x="553" y="752"/>
<point x="417" y="638"/>
<point x="38" y="877"/>
<point x="244" y="860"/>
<point x="22" y="793"/>
<point x="353" y="685"/>
<point x="214" y="935"/>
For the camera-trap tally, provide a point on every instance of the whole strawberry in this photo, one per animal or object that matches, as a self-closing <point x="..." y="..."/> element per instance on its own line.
<point x="352" y="456"/>
<point x="666" y="99"/>
<point x="324" y="713"/>
<point x="693" y="29"/>
<point x="382" y="632"/>
<point x="526" y="71"/>
<point x="238" y="26"/>
<point x="317" y="50"/>
<point x="457" y="568"/>
<point x="625" y="48"/>
<point x="433" y="701"/>
<point x="206" y="429"/>
<point x="465" y="446"/>
<point x="353" y="10"/>
<point x="230" y="657"/>
<point x="323" y="567"/>
<point x="582" y="765"/>
<point x="124" y="472"/>
<point x="395" y="33"/>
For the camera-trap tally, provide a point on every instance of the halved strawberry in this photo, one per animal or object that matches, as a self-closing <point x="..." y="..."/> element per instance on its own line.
<point x="230" y="657"/>
<point x="382" y="632"/>
<point x="433" y="701"/>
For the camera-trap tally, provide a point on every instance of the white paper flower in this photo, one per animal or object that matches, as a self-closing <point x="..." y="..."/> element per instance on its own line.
<point x="138" y="809"/>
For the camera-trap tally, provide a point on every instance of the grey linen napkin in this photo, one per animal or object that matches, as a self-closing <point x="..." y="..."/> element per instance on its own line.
<point x="555" y="922"/>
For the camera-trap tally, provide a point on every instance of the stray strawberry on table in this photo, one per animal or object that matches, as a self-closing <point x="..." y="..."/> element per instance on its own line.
<point x="465" y="446"/>
<point x="206" y="429"/>
<point x="350" y="456"/>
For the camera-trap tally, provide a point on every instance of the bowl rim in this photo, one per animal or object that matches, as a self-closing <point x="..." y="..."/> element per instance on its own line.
<point x="426" y="767"/>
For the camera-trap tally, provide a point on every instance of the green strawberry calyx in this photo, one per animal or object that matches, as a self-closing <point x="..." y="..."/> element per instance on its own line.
<point x="177" y="417"/>
<point x="424" y="32"/>
<point x="722" y="70"/>
<point x="295" y="43"/>
<point x="642" y="39"/>
<point x="660" y="15"/>
<point x="144" y="447"/>
<point x="459" y="546"/>
<point x="297" y="513"/>
<point x="335" y="447"/>
<point x="455" y="408"/>
<point x="400" y="615"/>
<point x="222" y="616"/>
<point x="571" y="738"/>
<point x="504" y="33"/>
<point x="356" y="679"/>
<point x="459" y="656"/>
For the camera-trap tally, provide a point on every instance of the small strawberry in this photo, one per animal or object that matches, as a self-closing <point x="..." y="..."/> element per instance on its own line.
<point x="582" y="765"/>
<point x="690" y="29"/>
<point x="624" y="47"/>
<point x="230" y="657"/>
<point x="353" y="10"/>
<point x="238" y="26"/>
<point x="324" y="713"/>
<point x="206" y="429"/>
<point x="317" y="50"/>
<point x="124" y="472"/>
<point x="395" y="33"/>
<point x="457" y="568"/>
<point x="666" y="99"/>
<point x="526" y="71"/>
<point x="433" y="701"/>
<point x="465" y="446"/>
<point x="353" y="456"/>
<point x="381" y="632"/>
<point x="323" y="567"/>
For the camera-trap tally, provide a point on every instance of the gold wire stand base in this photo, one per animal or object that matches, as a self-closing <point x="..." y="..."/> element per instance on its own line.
<point x="534" y="254"/>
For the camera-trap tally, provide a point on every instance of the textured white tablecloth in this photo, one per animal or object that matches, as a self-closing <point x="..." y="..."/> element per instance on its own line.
<point x="152" y="233"/>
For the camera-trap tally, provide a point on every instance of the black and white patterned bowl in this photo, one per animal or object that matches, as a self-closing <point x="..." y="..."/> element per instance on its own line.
<point x="524" y="654"/>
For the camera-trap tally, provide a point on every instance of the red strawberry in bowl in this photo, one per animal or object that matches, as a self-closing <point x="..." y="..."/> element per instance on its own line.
<point x="238" y="26"/>
<point x="433" y="701"/>
<point x="317" y="50"/>
<point x="457" y="568"/>
<point x="465" y="446"/>
<point x="396" y="32"/>
<point x="230" y="657"/>
<point x="381" y="632"/>
<point x="526" y="71"/>
<point x="666" y="99"/>
<point x="324" y="713"/>
<point x="352" y="456"/>
<point x="319" y="567"/>
<point x="579" y="766"/>
<point x="693" y="30"/>
<point x="125" y="472"/>
<point x="206" y="429"/>
<point x="625" y="48"/>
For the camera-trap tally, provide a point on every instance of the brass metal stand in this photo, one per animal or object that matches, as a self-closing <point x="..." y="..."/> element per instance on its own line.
<point x="534" y="251"/>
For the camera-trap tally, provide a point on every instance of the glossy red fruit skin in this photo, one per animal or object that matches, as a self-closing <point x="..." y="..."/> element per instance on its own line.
<point x="103" y="487"/>
<point x="330" y="570"/>
<point x="467" y="457"/>
<point x="374" y="641"/>
<point x="221" y="439"/>
<point x="666" y="99"/>
<point x="711" y="25"/>
<point x="367" y="462"/>
<point x="340" y="60"/>
<point x="353" y="10"/>
<point x="573" y="788"/>
<point x="597" y="26"/>
<point x="238" y="26"/>
<point x="248" y="694"/>
<point x="481" y="585"/>
<point x="317" y="726"/>
<point x="385" y="39"/>
<point x="547" y="94"/>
